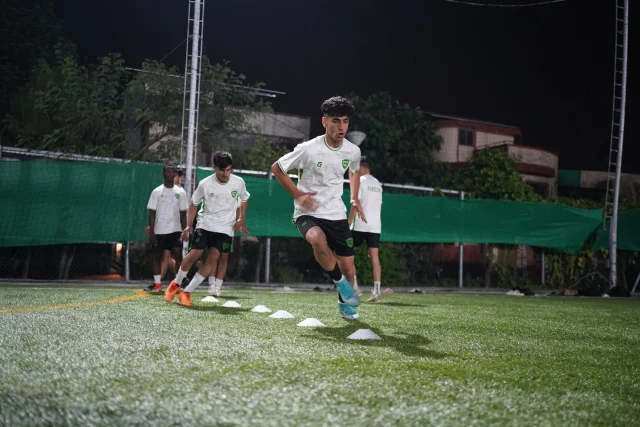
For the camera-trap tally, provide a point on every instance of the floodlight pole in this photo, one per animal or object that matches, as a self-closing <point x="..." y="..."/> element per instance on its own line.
<point x="461" y="254"/>
<point x="267" y="256"/>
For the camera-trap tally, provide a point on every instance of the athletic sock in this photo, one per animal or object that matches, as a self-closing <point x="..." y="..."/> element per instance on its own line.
<point x="180" y="276"/>
<point x="336" y="274"/>
<point x="212" y="280"/>
<point x="219" y="283"/>
<point x="355" y="282"/>
<point x="156" y="279"/>
<point x="376" y="288"/>
<point x="194" y="283"/>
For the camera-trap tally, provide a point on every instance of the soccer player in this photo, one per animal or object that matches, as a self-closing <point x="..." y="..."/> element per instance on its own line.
<point x="217" y="221"/>
<point x="319" y="213"/>
<point x="370" y="197"/>
<point x="167" y="217"/>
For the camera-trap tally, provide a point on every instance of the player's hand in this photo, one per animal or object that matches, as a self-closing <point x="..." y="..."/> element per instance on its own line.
<point x="241" y="227"/>
<point x="147" y="231"/>
<point x="306" y="201"/>
<point x="359" y="211"/>
<point x="152" y="238"/>
<point x="186" y="233"/>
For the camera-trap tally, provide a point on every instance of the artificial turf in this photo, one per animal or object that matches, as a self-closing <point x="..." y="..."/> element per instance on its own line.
<point x="443" y="360"/>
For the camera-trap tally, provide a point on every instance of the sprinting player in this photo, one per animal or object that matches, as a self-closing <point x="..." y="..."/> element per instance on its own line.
<point x="319" y="213"/>
<point x="167" y="216"/>
<point x="216" y="276"/>
<point x="370" y="197"/>
<point x="217" y="222"/>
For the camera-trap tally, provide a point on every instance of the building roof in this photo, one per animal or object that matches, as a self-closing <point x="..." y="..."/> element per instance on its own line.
<point x="463" y="119"/>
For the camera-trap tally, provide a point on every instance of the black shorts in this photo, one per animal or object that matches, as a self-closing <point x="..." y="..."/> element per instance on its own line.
<point x="372" y="239"/>
<point x="202" y="239"/>
<point x="166" y="242"/>
<point x="337" y="233"/>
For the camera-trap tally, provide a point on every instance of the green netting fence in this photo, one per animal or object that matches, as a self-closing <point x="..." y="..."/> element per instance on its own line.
<point x="58" y="202"/>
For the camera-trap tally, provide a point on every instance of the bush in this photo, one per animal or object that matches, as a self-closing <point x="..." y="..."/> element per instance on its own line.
<point x="394" y="267"/>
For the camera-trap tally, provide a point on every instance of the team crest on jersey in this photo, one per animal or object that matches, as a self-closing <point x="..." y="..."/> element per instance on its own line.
<point x="350" y="242"/>
<point x="345" y="163"/>
<point x="177" y="196"/>
<point x="234" y="193"/>
<point x="319" y="164"/>
<point x="210" y="194"/>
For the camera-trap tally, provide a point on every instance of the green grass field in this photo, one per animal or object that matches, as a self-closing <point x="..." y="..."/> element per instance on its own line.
<point x="106" y="356"/>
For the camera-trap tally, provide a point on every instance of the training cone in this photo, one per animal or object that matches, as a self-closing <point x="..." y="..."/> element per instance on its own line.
<point x="311" y="322"/>
<point x="364" y="334"/>
<point x="260" y="309"/>
<point x="231" y="304"/>
<point x="209" y="299"/>
<point x="282" y="314"/>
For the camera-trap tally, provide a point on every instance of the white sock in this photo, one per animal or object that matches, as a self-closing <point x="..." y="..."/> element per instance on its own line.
<point x="212" y="280"/>
<point x="376" y="288"/>
<point x="156" y="278"/>
<point x="180" y="276"/>
<point x="194" y="283"/>
<point x="219" y="283"/>
<point x="355" y="282"/>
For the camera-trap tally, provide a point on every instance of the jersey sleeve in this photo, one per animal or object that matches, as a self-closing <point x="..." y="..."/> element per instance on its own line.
<point x="295" y="159"/>
<point x="243" y="194"/>
<point x="182" y="204"/>
<point x="354" y="165"/>
<point x="198" y="195"/>
<point x="153" y="201"/>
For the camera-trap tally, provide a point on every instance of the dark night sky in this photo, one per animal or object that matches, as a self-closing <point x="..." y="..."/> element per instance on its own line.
<point x="545" y="69"/>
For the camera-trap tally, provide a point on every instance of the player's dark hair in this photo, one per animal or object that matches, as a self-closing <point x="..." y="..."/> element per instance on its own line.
<point x="222" y="159"/>
<point x="364" y="162"/>
<point x="337" y="107"/>
<point x="169" y="166"/>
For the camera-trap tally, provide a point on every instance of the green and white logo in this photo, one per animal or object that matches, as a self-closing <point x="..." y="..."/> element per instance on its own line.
<point x="345" y="163"/>
<point x="350" y="242"/>
<point x="234" y="193"/>
<point x="225" y="246"/>
<point x="177" y="196"/>
<point x="319" y="164"/>
<point x="210" y="194"/>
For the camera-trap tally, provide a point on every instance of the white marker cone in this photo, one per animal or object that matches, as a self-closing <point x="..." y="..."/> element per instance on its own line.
<point x="260" y="309"/>
<point x="364" y="334"/>
<point x="311" y="322"/>
<point x="209" y="299"/>
<point x="231" y="304"/>
<point x="282" y="314"/>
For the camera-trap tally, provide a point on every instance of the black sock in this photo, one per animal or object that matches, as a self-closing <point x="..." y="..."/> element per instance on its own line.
<point x="335" y="274"/>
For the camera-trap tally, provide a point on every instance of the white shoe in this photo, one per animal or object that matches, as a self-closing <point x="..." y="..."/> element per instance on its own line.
<point x="212" y="290"/>
<point x="374" y="298"/>
<point x="218" y="291"/>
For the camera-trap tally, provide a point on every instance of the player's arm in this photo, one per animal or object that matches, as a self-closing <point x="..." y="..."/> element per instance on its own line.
<point x="242" y="214"/>
<point x="183" y="219"/>
<point x="294" y="160"/>
<point x="286" y="181"/>
<point x="152" y="223"/>
<point x="186" y="232"/>
<point x="354" y="186"/>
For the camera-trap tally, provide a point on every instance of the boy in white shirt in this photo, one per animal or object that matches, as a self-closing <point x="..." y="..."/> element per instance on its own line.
<point x="320" y="215"/>
<point x="370" y="197"/>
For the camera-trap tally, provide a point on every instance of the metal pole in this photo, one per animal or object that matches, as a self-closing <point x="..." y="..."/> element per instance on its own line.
<point x="193" y="96"/>
<point x="636" y="283"/>
<point x="127" y="265"/>
<point x="613" y="233"/>
<point x="460" y="254"/>
<point x="542" y="274"/>
<point x="267" y="256"/>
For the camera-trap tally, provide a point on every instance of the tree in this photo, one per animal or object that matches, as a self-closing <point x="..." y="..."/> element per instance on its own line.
<point x="401" y="140"/>
<point x="262" y="155"/>
<point x="491" y="174"/>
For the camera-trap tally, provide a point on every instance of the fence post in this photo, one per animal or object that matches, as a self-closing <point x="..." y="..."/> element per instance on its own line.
<point x="267" y="255"/>
<point x="127" y="274"/>
<point x="460" y="255"/>
<point x="542" y="273"/>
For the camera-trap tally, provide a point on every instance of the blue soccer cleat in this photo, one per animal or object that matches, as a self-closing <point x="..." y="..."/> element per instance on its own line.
<point x="349" y="296"/>
<point x="347" y="311"/>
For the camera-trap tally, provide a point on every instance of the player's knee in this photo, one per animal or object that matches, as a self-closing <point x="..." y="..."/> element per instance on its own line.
<point x="348" y="270"/>
<point x="317" y="239"/>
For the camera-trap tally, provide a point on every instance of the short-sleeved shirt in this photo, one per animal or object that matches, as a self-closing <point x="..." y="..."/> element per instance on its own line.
<point x="167" y="202"/>
<point x="370" y="196"/>
<point x="321" y="170"/>
<point x="220" y="203"/>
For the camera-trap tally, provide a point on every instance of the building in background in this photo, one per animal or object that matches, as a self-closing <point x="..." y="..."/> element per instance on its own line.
<point x="462" y="137"/>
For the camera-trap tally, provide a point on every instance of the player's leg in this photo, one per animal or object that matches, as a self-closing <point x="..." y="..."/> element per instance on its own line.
<point x="216" y="243"/>
<point x="357" y="241"/>
<point x="373" y="242"/>
<point x="195" y="252"/>
<point x="222" y="271"/>
<point x="156" y="256"/>
<point x="212" y="278"/>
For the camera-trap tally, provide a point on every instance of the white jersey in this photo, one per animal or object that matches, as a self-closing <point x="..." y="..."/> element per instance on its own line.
<point x="370" y="196"/>
<point x="220" y="203"/>
<point x="321" y="170"/>
<point x="167" y="202"/>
